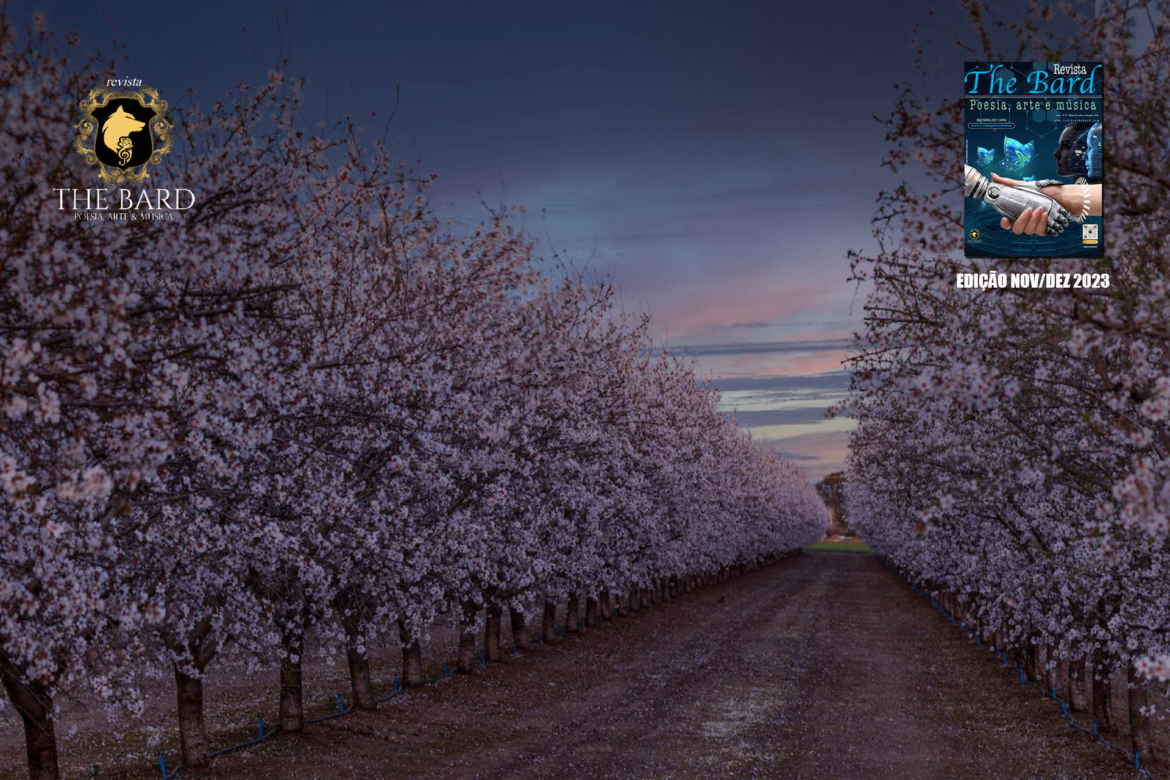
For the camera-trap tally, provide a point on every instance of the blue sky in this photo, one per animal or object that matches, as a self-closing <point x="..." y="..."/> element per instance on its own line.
<point x="717" y="160"/>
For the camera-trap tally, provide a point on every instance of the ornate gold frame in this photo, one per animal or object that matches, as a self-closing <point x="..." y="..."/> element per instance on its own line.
<point x="86" y="127"/>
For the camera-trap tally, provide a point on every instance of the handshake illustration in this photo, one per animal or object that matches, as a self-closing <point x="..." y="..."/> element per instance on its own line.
<point x="1013" y="201"/>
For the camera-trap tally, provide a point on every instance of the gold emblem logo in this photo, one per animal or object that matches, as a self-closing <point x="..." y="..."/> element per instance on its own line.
<point x="123" y="133"/>
<point x="974" y="235"/>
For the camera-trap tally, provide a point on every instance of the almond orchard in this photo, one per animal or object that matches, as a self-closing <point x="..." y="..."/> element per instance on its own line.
<point x="1013" y="449"/>
<point x="312" y="408"/>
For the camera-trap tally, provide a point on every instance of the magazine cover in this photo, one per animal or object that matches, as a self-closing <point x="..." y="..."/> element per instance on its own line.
<point x="1033" y="135"/>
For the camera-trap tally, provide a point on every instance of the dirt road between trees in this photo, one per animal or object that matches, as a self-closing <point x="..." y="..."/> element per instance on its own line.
<point x="821" y="666"/>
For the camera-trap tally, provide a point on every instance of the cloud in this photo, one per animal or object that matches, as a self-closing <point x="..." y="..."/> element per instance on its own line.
<point x="795" y="456"/>
<point x="763" y="347"/>
<point x="819" y="454"/>
<point x="829" y="381"/>
<point x="798" y="416"/>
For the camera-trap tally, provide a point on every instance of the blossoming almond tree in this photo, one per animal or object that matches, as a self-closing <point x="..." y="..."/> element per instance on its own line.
<point x="1012" y="451"/>
<point x="310" y="404"/>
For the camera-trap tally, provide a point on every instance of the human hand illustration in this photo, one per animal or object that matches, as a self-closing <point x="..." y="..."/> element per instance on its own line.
<point x="1031" y="221"/>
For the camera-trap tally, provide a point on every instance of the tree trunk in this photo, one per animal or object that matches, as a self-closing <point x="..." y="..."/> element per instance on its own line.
<point x="590" y="612"/>
<point x="519" y="629"/>
<point x="1140" y="734"/>
<point x="632" y="599"/>
<point x="1052" y="671"/>
<point x="548" y="622"/>
<point x="201" y="647"/>
<point x="35" y="706"/>
<point x="40" y="743"/>
<point x="1102" y="696"/>
<point x="192" y="733"/>
<point x="1078" y="696"/>
<point x="573" y="613"/>
<point x="292" y="706"/>
<point x="655" y="591"/>
<point x="412" y="667"/>
<point x="466" y="661"/>
<point x="1032" y="661"/>
<point x="606" y="607"/>
<point x="359" y="678"/>
<point x="491" y="640"/>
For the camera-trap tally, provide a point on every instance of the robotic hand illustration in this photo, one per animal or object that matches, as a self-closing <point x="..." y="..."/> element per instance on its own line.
<point x="1011" y="202"/>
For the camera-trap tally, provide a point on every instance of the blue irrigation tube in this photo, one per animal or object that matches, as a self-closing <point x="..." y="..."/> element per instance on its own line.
<point x="162" y="765"/>
<point x="341" y="710"/>
<point x="1094" y="731"/>
<point x="264" y="736"/>
<point x="264" y="733"/>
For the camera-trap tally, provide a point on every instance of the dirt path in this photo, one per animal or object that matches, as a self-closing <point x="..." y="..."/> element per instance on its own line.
<point x="822" y="666"/>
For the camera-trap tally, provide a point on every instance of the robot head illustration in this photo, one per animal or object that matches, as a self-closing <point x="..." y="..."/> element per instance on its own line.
<point x="1079" y="151"/>
<point x="1093" y="141"/>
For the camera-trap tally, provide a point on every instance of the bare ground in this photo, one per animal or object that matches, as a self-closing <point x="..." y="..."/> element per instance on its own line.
<point x="821" y="666"/>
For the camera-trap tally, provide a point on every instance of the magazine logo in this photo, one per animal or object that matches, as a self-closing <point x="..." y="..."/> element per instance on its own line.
<point x="123" y="133"/>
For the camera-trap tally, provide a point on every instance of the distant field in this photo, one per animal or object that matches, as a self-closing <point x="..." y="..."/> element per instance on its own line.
<point x="845" y="546"/>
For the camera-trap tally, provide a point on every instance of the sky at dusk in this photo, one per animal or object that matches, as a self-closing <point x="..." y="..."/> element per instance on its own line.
<point x="716" y="160"/>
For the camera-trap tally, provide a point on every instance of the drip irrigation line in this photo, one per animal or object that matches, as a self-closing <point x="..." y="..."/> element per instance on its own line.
<point x="395" y="690"/>
<point x="1134" y="759"/>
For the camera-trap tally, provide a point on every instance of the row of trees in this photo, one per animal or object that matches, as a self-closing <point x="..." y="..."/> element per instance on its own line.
<point x="1013" y="449"/>
<point x="312" y="405"/>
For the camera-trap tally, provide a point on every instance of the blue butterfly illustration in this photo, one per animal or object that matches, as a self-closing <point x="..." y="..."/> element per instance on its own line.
<point x="985" y="156"/>
<point x="1015" y="154"/>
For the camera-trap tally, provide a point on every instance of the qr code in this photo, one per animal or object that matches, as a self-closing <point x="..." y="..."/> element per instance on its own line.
<point x="1089" y="231"/>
